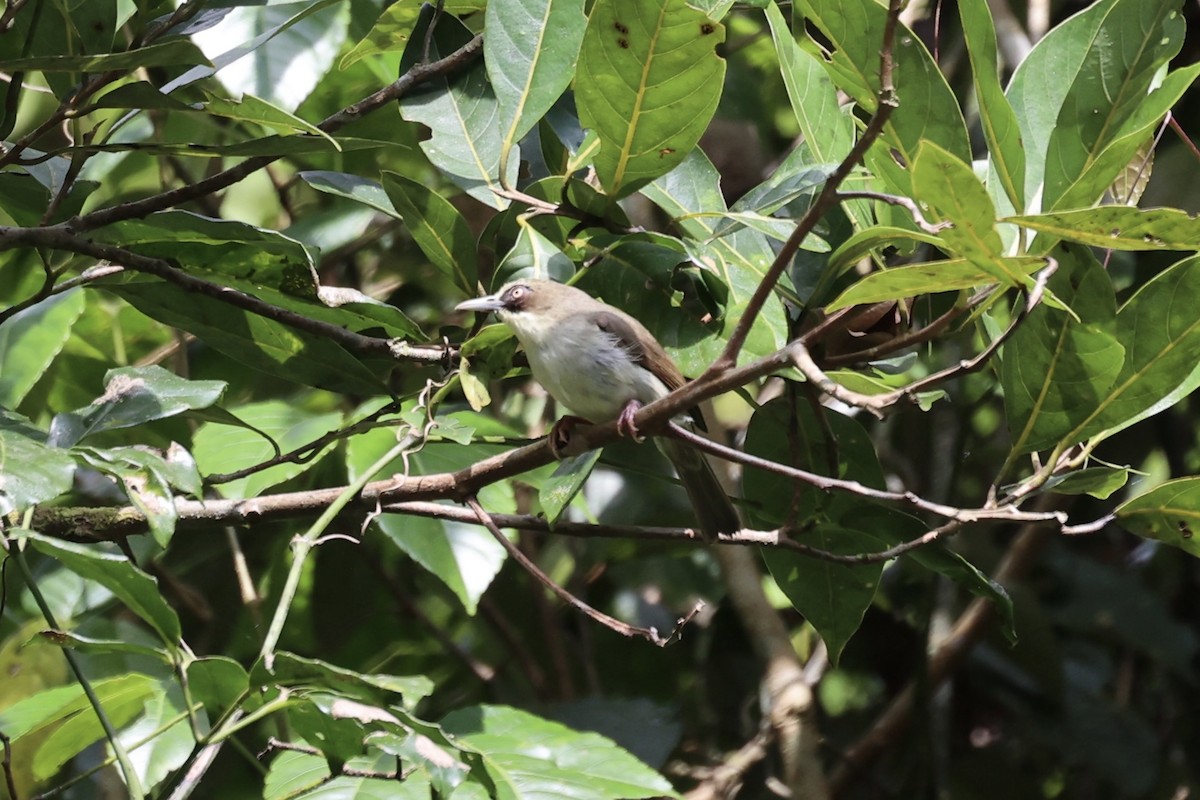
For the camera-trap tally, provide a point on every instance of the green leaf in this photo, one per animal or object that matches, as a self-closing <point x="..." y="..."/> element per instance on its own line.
<point x="390" y="32"/>
<point x="1168" y="513"/>
<point x="1064" y="79"/>
<point x="217" y="682"/>
<point x="533" y="256"/>
<point x="87" y="644"/>
<point x="271" y="347"/>
<point x="833" y="597"/>
<point x="30" y="471"/>
<point x="1119" y="227"/>
<point x="1006" y="154"/>
<point x="352" y="187"/>
<point x="463" y="117"/>
<point x="302" y="775"/>
<point x="222" y="448"/>
<point x="31" y="339"/>
<point x="912" y="280"/>
<point x="949" y="186"/>
<point x="261" y="112"/>
<point x="148" y="479"/>
<point x="1098" y="482"/>
<point x="828" y="132"/>
<point x="1136" y="134"/>
<point x="690" y="194"/>
<point x="529" y="48"/>
<point x="165" y="54"/>
<point x="464" y="557"/>
<point x="438" y="229"/>
<point x="445" y="770"/>
<point x="1159" y="327"/>
<point x="928" y="111"/>
<point x="133" y="587"/>
<point x="647" y="83"/>
<point x="1130" y="41"/>
<point x="560" y="488"/>
<point x="290" y="670"/>
<point x="133" y="396"/>
<point x="529" y="757"/>
<point x="1057" y="370"/>
<point x="65" y="716"/>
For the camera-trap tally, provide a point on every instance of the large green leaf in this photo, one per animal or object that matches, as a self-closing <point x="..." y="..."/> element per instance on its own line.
<point x="1160" y="330"/>
<point x="1006" y="155"/>
<point x="134" y="396"/>
<point x="528" y="757"/>
<point x="64" y="716"/>
<point x="1169" y="513"/>
<point x="1131" y="40"/>
<point x="464" y="557"/>
<point x="828" y="133"/>
<point x="949" y="186"/>
<point x="1119" y="227"/>
<point x="31" y="339"/>
<point x="438" y="229"/>
<point x="164" y="54"/>
<point x="648" y="83"/>
<point x="912" y="280"/>
<point x="530" y="47"/>
<point x="303" y="775"/>
<point x="463" y="117"/>
<point x="32" y="472"/>
<point x="691" y="196"/>
<point x="1067" y="98"/>
<point x="133" y="587"/>
<point x="221" y="448"/>
<point x="1056" y="369"/>
<point x="928" y="111"/>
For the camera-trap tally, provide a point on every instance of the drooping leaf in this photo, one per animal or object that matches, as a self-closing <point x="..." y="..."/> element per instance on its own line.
<point x="647" y="83"/>
<point x="389" y="33"/>
<point x="949" y="186"/>
<point x="137" y="590"/>
<point x="291" y="670"/>
<point x="530" y="48"/>
<point x="352" y="187"/>
<point x="438" y="229"/>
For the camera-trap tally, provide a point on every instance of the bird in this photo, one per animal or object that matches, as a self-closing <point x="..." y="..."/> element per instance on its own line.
<point x="602" y="364"/>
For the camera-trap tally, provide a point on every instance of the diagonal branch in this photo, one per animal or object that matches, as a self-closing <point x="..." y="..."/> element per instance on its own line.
<point x="825" y="200"/>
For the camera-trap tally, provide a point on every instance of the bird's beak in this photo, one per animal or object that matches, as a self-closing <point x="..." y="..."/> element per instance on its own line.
<point x="489" y="303"/>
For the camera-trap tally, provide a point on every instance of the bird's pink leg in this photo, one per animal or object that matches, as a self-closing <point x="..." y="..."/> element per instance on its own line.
<point x="625" y="423"/>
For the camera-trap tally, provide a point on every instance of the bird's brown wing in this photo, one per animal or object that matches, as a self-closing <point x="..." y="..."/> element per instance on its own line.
<point x="646" y="351"/>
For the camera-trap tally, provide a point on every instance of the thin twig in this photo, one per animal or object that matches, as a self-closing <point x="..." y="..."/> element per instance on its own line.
<point x="907" y="203"/>
<point x="612" y="623"/>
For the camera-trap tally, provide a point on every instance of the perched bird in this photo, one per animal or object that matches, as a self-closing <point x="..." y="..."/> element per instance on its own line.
<point x="602" y="364"/>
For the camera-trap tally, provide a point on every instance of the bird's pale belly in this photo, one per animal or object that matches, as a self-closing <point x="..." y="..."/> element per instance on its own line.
<point x="596" y="386"/>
